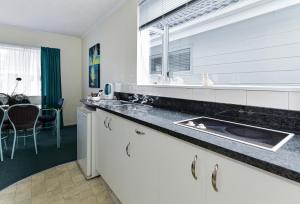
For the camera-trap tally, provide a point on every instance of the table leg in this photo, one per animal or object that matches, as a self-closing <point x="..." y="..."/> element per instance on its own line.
<point x="58" y="128"/>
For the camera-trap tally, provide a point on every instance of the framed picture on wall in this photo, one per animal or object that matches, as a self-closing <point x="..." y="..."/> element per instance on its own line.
<point x="94" y="66"/>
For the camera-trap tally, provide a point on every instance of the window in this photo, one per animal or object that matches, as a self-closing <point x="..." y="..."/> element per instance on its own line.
<point x="156" y="64"/>
<point x="233" y="42"/>
<point x="178" y="61"/>
<point x="20" y="62"/>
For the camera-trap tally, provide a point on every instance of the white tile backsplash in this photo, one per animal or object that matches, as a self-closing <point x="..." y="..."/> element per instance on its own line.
<point x="268" y="99"/>
<point x="231" y="96"/>
<point x="204" y="95"/>
<point x="294" y="100"/>
<point x="174" y="92"/>
<point x="125" y="88"/>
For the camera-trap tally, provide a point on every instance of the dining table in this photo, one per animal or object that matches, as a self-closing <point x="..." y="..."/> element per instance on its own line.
<point x="58" y="133"/>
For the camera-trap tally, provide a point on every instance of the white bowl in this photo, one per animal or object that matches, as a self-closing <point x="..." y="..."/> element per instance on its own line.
<point x="95" y="98"/>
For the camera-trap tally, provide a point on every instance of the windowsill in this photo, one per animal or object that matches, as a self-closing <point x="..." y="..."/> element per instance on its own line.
<point x="225" y="87"/>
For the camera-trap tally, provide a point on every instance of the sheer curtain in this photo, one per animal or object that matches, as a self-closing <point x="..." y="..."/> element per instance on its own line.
<point x="21" y="62"/>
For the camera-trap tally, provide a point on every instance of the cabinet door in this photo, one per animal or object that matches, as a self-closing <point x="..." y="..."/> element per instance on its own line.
<point x="181" y="171"/>
<point x="101" y="142"/>
<point x="117" y="161"/>
<point x="143" y="161"/>
<point x="237" y="183"/>
<point x="134" y="162"/>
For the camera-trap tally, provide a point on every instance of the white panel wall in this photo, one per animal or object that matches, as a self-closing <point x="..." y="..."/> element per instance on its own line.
<point x="264" y="50"/>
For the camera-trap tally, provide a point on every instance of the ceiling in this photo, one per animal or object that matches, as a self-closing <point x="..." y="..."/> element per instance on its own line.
<point x="71" y="17"/>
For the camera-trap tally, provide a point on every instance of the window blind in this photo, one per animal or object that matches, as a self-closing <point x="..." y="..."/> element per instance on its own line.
<point x="174" y="12"/>
<point x="179" y="60"/>
<point x="152" y="9"/>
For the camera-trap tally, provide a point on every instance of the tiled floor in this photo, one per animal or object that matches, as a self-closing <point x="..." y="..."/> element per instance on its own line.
<point x="59" y="185"/>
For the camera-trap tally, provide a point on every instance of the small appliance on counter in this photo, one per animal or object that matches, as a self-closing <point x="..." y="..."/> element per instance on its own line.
<point x="95" y="96"/>
<point x="108" y="91"/>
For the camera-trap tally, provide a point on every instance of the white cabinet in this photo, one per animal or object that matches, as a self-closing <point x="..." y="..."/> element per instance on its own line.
<point x="145" y="166"/>
<point x="181" y="172"/>
<point x="127" y="159"/>
<point x="111" y="160"/>
<point x="143" y="153"/>
<point x="239" y="183"/>
<point x="117" y="161"/>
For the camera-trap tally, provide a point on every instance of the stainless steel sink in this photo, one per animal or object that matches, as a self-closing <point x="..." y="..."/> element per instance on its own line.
<point x="113" y="102"/>
<point x="133" y="107"/>
<point x="256" y="136"/>
<point x="124" y="105"/>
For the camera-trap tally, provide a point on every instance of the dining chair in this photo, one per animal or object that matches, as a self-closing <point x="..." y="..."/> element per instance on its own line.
<point x="2" y="116"/>
<point x="18" y="99"/>
<point x="4" y="98"/>
<point x="4" y="126"/>
<point x="50" y="118"/>
<point x="23" y="117"/>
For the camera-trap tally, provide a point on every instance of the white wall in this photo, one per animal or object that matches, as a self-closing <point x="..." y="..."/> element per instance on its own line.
<point x="117" y="38"/>
<point x="117" y="35"/>
<point x="70" y="61"/>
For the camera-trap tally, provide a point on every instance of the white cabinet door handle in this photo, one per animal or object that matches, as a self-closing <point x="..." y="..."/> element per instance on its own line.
<point x="127" y="149"/>
<point x="104" y="122"/>
<point x="214" y="178"/>
<point x="139" y="132"/>
<point x="193" y="167"/>
<point x="108" y="125"/>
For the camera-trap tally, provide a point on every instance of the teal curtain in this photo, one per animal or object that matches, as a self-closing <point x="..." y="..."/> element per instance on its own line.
<point x="50" y="77"/>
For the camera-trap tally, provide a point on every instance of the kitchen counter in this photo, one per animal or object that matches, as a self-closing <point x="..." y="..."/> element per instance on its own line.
<point x="284" y="162"/>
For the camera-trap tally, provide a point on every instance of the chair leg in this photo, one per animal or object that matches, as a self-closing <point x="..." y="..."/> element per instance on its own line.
<point x="1" y="152"/>
<point x="53" y="129"/>
<point x="14" y="144"/>
<point x="5" y="144"/>
<point x="34" y="138"/>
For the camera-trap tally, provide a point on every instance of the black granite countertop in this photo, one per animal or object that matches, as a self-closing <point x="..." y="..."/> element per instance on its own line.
<point x="284" y="162"/>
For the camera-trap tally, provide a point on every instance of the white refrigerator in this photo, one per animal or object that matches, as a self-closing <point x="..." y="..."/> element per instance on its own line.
<point x="86" y="141"/>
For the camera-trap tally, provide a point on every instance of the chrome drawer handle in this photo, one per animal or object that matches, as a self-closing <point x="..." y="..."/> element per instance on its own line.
<point x="139" y="132"/>
<point x="127" y="149"/>
<point x="214" y="178"/>
<point x="104" y="122"/>
<point x="193" y="167"/>
<point x="108" y="125"/>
